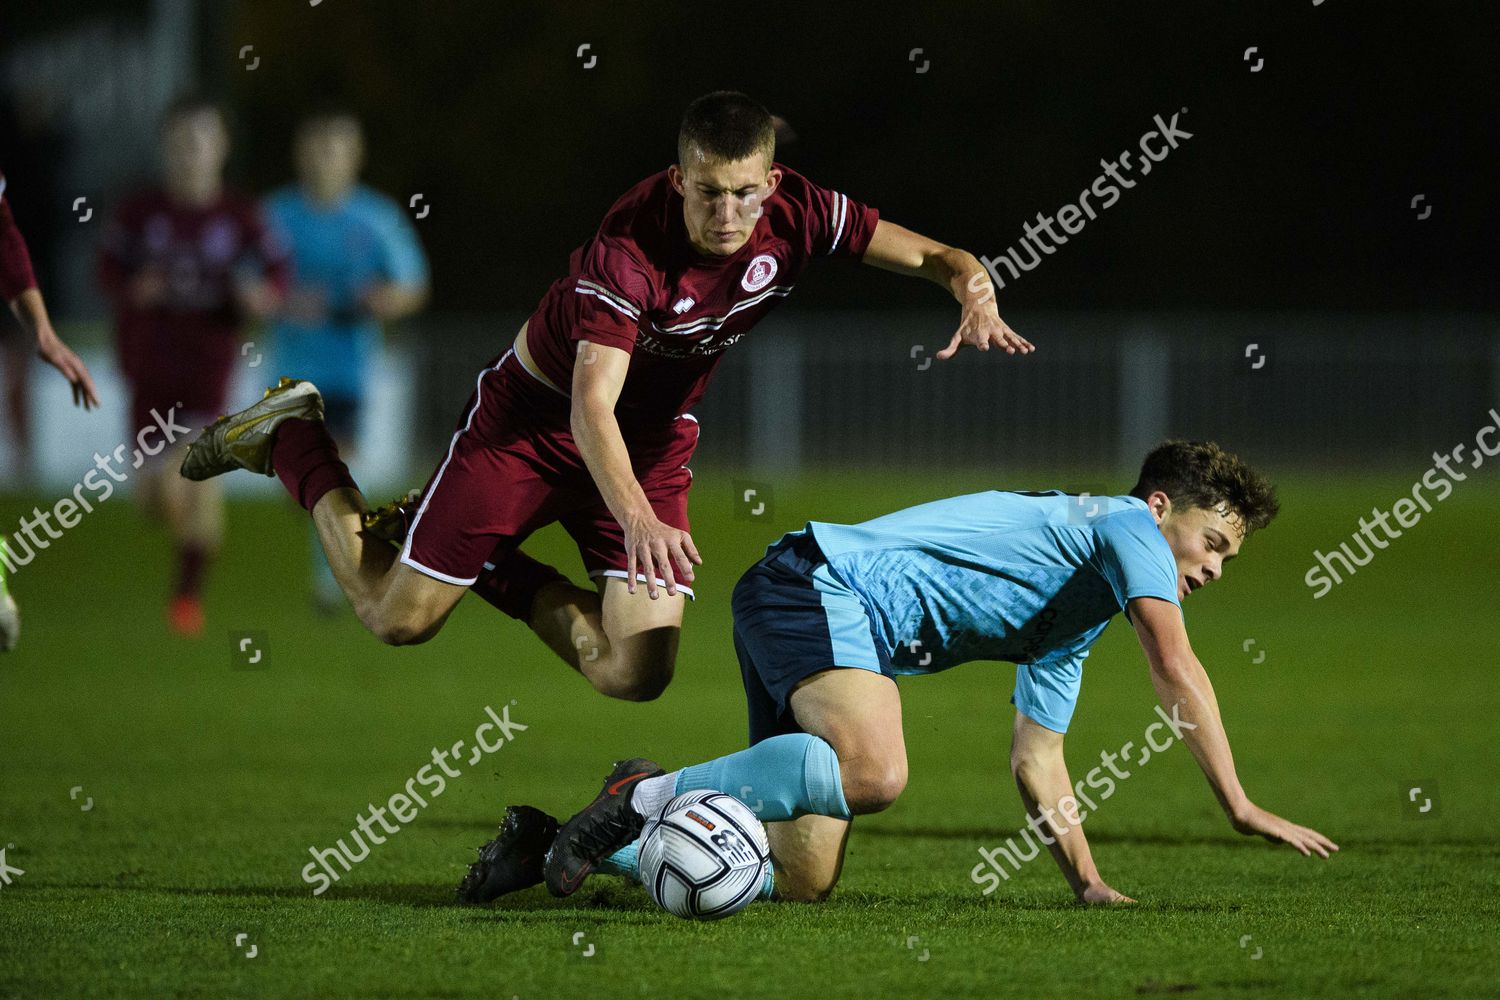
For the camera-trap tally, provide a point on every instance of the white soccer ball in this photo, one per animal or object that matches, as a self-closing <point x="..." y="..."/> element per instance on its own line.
<point x="704" y="856"/>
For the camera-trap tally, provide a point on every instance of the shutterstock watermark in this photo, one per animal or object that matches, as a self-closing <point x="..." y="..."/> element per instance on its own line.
<point x="403" y="805"/>
<point x="1437" y="480"/>
<point x="69" y="510"/>
<point x="1069" y="805"/>
<point x="1155" y="146"/>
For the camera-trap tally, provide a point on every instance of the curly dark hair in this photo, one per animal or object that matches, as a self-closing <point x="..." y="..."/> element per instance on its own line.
<point x="726" y="126"/>
<point x="1201" y="474"/>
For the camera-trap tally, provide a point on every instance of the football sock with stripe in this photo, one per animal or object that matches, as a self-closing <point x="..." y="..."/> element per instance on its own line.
<point x="779" y="778"/>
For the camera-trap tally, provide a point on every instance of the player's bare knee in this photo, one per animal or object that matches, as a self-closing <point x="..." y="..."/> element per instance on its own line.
<point x="636" y="679"/>
<point x="403" y="627"/>
<point x="871" y="784"/>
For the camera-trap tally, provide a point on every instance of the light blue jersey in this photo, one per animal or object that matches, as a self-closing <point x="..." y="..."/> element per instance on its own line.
<point x="1028" y="578"/>
<point x="340" y="250"/>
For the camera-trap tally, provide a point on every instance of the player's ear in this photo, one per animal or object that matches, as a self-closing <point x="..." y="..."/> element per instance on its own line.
<point x="1159" y="504"/>
<point x="674" y="175"/>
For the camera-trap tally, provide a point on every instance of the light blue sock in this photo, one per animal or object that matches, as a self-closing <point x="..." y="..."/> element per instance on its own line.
<point x="779" y="778"/>
<point x="626" y="863"/>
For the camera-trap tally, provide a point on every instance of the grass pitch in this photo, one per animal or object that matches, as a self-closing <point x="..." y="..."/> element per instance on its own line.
<point x="161" y="802"/>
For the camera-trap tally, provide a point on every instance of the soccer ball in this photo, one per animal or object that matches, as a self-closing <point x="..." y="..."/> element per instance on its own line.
<point x="704" y="856"/>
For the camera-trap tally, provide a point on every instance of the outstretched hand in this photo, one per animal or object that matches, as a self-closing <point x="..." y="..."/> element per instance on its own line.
<point x="982" y="328"/>
<point x="1254" y="820"/>
<point x="57" y="354"/>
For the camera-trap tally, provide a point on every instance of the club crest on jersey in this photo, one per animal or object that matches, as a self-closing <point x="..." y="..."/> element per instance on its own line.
<point x="759" y="274"/>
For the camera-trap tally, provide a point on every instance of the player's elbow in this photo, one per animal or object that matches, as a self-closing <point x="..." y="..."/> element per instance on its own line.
<point x="1024" y="766"/>
<point x="589" y="410"/>
<point x="1175" y="670"/>
<point x="1030" y="762"/>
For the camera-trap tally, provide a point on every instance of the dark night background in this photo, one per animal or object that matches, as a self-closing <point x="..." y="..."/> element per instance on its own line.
<point x="1294" y="191"/>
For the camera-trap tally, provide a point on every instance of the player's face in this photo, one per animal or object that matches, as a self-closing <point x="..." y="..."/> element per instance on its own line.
<point x="194" y="147"/>
<point x="1202" y="541"/>
<point x="329" y="156"/>
<point x="721" y="201"/>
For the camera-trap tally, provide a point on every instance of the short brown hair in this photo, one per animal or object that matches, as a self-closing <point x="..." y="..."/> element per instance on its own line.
<point x="1201" y="474"/>
<point x="726" y="126"/>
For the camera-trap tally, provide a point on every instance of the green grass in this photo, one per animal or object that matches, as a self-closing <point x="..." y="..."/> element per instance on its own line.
<point x="209" y="785"/>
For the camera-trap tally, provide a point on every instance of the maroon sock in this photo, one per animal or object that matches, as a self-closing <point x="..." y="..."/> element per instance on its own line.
<point x="307" y="461"/>
<point x="192" y="560"/>
<point x="513" y="584"/>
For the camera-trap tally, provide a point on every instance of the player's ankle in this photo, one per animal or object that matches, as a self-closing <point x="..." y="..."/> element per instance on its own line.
<point x="651" y="794"/>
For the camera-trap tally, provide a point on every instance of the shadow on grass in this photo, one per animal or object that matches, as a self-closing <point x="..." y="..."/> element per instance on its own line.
<point x="409" y="894"/>
<point x="986" y="835"/>
<point x="622" y="904"/>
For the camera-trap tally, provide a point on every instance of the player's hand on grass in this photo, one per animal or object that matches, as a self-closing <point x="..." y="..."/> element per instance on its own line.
<point x="659" y="551"/>
<point x="982" y="328"/>
<point x="51" y="349"/>
<point x="1100" y="894"/>
<point x="1253" y="820"/>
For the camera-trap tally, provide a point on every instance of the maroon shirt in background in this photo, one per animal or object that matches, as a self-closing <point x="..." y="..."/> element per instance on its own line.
<point x="15" y="261"/>
<point x="639" y="285"/>
<point x="189" y="339"/>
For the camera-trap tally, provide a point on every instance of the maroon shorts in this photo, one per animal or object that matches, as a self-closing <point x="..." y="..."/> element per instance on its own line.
<point x="513" y="467"/>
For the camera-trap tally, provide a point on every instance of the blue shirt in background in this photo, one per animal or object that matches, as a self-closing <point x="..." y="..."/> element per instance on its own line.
<point x="341" y="250"/>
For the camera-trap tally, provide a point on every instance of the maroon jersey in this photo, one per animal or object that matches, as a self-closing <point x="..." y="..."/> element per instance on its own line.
<point x="640" y="285"/>
<point x="15" y="262"/>
<point x="201" y="252"/>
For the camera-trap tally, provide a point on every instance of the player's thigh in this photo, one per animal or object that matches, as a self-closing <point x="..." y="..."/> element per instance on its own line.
<point x="414" y="606"/>
<point x="858" y="712"/>
<point x="809" y="855"/>
<point x="642" y="633"/>
<point x="481" y="497"/>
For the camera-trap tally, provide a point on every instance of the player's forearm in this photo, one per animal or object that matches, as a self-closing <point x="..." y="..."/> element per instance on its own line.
<point x="390" y="302"/>
<point x="31" y="312"/>
<point x="963" y="276"/>
<point x="1186" y="693"/>
<point x="1052" y="811"/>
<point x="597" y="434"/>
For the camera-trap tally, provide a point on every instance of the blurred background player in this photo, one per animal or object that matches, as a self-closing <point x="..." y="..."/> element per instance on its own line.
<point x="34" y="147"/>
<point x="185" y="265"/>
<point x="18" y="289"/>
<point x="356" y="263"/>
